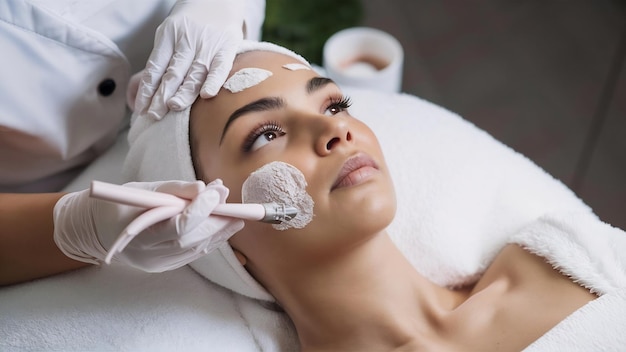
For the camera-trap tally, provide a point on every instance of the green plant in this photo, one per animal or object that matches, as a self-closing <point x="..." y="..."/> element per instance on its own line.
<point x="305" y="25"/>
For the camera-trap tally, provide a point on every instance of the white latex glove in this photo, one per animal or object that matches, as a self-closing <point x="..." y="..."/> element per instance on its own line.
<point x="85" y="228"/>
<point x="194" y="49"/>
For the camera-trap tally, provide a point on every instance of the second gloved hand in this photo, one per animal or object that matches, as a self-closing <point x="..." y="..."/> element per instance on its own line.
<point x="193" y="52"/>
<point x="167" y="238"/>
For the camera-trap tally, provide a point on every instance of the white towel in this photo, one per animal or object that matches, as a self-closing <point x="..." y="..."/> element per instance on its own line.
<point x="461" y="196"/>
<point x="461" y="193"/>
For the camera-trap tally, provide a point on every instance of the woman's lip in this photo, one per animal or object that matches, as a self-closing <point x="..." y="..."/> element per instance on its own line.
<point x="356" y="169"/>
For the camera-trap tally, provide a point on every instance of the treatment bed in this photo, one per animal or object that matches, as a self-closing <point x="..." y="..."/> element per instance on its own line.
<point x="462" y="195"/>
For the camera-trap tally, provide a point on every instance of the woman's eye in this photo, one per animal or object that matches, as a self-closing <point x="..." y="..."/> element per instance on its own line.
<point x="262" y="135"/>
<point x="263" y="139"/>
<point x="332" y="110"/>
<point x="337" y="105"/>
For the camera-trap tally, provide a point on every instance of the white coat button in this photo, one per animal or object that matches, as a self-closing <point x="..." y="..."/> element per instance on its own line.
<point x="106" y="87"/>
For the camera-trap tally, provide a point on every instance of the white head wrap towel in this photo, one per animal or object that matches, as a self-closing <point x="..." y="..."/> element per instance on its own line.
<point x="160" y="151"/>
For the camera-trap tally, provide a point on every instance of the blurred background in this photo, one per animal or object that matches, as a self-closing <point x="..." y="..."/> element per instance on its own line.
<point x="545" y="77"/>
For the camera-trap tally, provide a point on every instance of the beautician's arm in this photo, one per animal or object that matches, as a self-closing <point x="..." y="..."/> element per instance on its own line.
<point x="27" y="248"/>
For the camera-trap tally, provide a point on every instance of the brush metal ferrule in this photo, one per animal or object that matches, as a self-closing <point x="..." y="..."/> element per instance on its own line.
<point x="277" y="213"/>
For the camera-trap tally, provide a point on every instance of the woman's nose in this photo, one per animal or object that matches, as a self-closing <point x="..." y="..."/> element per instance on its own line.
<point x="334" y="133"/>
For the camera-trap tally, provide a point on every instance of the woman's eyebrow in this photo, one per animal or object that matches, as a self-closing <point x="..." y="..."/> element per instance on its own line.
<point x="264" y="104"/>
<point x="273" y="103"/>
<point x="317" y="83"/>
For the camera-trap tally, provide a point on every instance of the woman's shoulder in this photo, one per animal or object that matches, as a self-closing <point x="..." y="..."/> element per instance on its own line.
<point x="518" y="299"/>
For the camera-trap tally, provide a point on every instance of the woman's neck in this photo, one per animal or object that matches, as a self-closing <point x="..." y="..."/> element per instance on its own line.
<point x="371" y="297"/>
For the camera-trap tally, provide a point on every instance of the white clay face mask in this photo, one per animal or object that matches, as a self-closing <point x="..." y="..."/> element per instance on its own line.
<point x="281" y="183"/>
<point x="251" y="76"/>
<point x="246" y="78"/>
<point x="296" y="67"/>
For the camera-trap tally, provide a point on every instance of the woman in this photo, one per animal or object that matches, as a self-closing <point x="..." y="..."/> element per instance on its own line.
<point x="341" y="280"/>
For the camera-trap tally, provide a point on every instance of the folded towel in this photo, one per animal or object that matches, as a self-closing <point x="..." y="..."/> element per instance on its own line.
<point x="461" y="193"/>
<point x="462" y="196"/>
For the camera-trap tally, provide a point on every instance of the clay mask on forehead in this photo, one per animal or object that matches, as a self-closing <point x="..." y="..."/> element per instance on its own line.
<point x="296" y="67"/>
<point x="246" y="78"/>
<point x="251" y="76"/>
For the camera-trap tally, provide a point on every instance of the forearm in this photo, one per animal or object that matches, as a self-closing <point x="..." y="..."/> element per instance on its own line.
<point x="27" y="248"/>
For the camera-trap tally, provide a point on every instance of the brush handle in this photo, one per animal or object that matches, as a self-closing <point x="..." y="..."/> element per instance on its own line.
<point x="151" y="199"/>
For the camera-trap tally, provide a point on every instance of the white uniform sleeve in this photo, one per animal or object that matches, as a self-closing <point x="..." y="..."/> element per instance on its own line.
<point x="254" y="17"/>
<point x="64" y="76"/>
<point x="62" y="100"/>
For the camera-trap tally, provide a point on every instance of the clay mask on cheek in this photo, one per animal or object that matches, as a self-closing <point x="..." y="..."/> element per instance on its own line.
<point x="246" y="78"/>
<point x="281" y="183"/>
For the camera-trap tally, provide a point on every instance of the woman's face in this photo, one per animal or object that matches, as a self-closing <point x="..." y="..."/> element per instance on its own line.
<point x="299" y="118"/>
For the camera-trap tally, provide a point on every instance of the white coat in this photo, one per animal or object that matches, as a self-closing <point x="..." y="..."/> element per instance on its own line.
<point x="64" y="69"/>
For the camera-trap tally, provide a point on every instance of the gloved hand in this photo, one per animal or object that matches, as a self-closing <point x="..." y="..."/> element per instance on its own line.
<point x="194" y="47"/>
<point x="167" y="238"/>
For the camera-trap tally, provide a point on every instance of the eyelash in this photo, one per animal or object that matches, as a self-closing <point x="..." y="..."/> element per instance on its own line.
<point x="341" y="103"/>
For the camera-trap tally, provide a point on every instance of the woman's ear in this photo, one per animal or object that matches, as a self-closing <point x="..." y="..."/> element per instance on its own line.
<point x="242" y="258"/>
